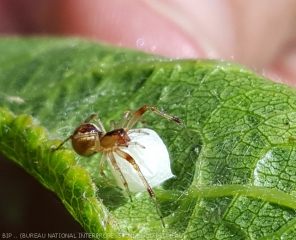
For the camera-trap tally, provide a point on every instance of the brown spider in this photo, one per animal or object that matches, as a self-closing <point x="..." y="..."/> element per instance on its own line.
<point x="89" y="139"/>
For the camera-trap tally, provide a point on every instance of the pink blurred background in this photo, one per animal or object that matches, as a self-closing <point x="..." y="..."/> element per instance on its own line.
<point x="258" y="34"/>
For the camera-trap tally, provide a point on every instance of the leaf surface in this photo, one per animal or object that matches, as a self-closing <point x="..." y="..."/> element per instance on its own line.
<point x="235" y="179"/>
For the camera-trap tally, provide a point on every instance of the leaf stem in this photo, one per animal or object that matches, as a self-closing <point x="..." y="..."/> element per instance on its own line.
<point x="266" y="194"/>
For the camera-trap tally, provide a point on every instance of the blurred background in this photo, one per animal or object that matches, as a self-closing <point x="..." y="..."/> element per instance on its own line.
<point x="258" y="34"/>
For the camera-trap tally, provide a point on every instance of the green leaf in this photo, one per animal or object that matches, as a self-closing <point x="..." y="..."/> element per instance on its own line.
<point x="235" y="173"/>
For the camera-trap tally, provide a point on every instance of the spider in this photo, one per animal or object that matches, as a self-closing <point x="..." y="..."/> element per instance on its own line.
<point x="89" y="139"/>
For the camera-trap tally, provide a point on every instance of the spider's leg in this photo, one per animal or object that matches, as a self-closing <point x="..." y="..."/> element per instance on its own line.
<point x="79" y="136"/>
<point x="103" y="159"/>
<point x="114" y="164"/>
<point x="112" y="125"/>
<point x="130" y="159"/>
<point x="138" y="114"/>
<point x="125" y="116"/>
<point x="98" y="120"/>
<point x="67" y="139"/>
<point x="137" y="131"/>
<point x="135" y="143"/>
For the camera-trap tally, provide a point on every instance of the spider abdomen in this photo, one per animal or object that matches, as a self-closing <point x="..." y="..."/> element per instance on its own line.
<point x="84" y="139"/>
<point x="84" y="146"/>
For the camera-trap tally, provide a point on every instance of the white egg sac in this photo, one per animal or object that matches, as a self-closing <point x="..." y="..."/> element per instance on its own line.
<point x="153" y="160"/>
